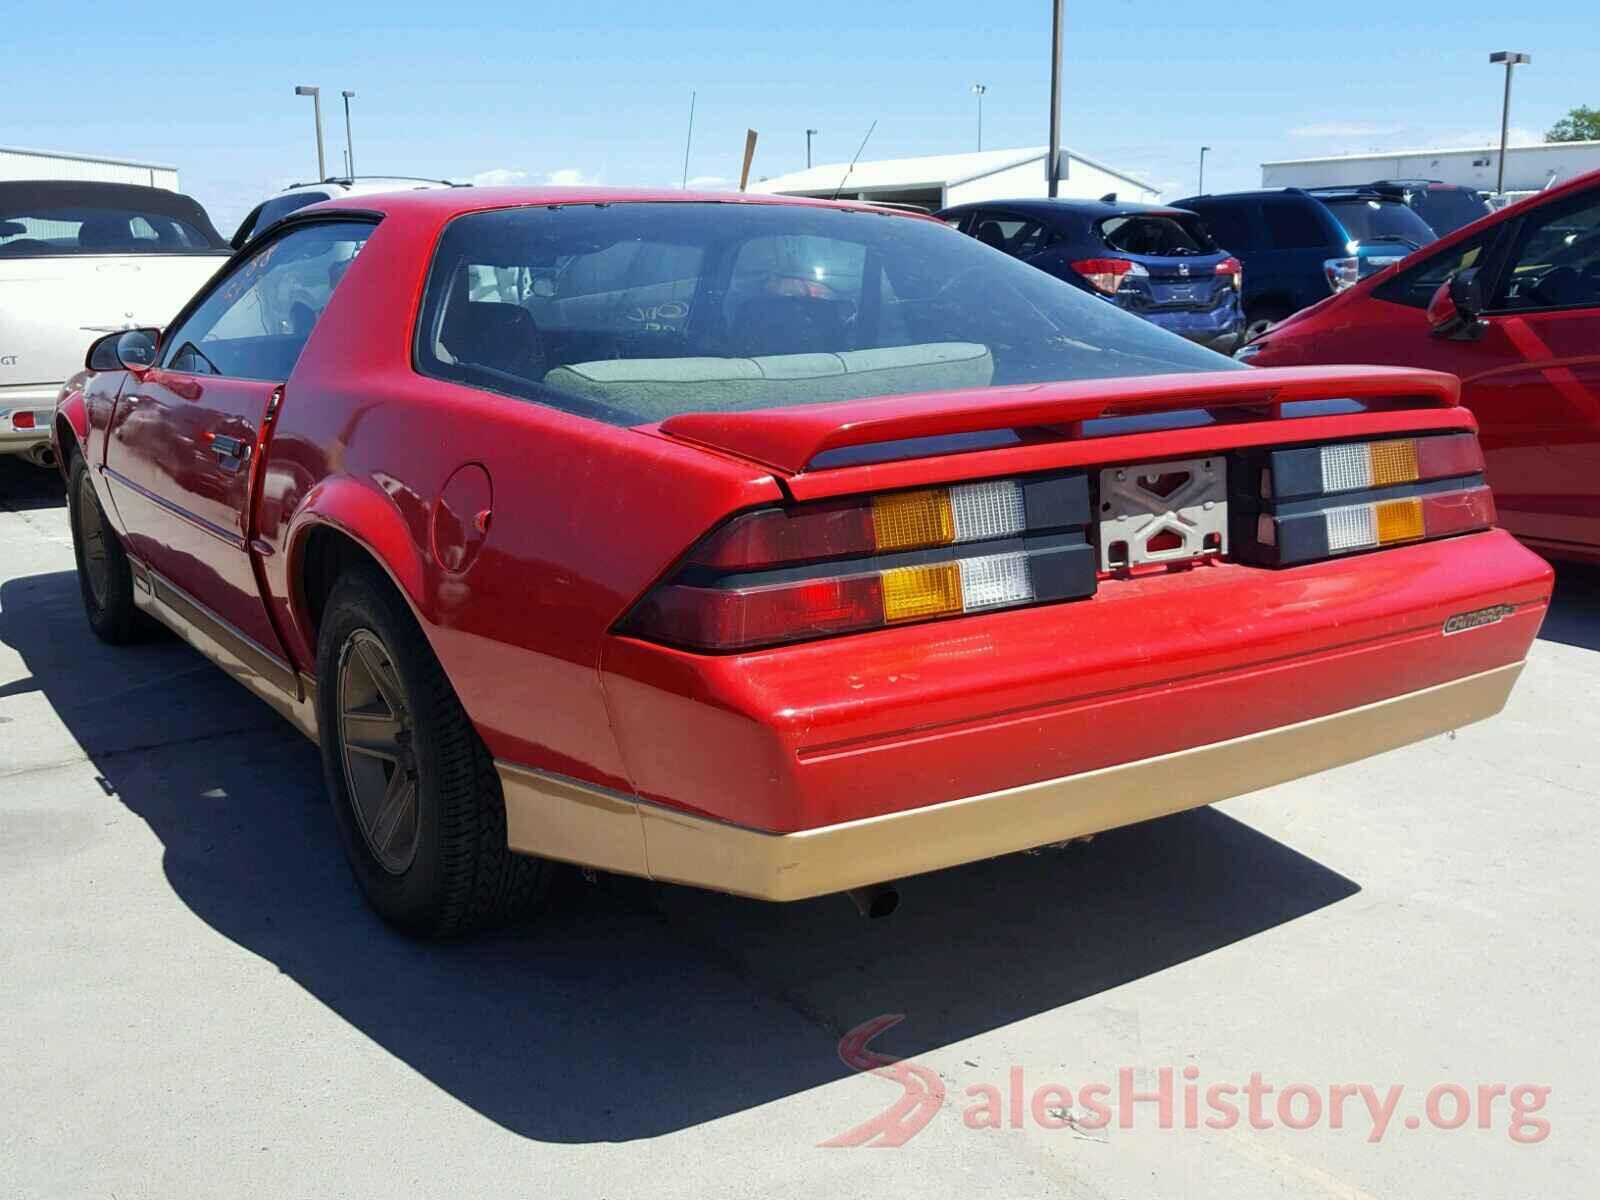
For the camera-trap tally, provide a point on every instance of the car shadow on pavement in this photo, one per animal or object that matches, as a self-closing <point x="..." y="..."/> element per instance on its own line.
<point x="1574" y="617"/>
<point x="24" y="487"/>
<point x="631" y="1009"/>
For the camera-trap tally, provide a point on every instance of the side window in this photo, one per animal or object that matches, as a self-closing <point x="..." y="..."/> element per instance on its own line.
<point x="1415" y="287"/>
<point x="254" y="324"/>
<point x="1017" y="236"/>
<point x="1228" y="225"/>
<point x="1557" y="260"/>
<point x="1292" y="226"/>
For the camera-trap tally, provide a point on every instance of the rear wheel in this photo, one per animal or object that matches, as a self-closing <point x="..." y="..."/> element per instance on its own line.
<point x="104" y="576"/>
<point x="1262" y="318"/>
<point x="414" y="790"/>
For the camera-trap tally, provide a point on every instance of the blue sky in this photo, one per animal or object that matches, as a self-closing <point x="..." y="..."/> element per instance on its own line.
<point x="600" y="92"/>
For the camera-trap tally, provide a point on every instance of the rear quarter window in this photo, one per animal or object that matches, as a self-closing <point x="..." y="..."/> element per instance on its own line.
<point x="1294" y="226"/>
<point x="1227" y="224"/>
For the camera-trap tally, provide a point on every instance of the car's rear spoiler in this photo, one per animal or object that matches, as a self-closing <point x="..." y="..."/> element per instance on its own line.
<point x="790" y="439"/>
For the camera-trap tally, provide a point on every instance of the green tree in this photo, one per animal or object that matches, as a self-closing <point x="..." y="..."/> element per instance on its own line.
<point x="1579" y="125"/>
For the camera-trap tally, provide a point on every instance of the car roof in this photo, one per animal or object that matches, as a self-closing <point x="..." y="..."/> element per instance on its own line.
<point x="444" y="203"/>
<point x="366" y="185"/>
<point x="1095" y="209"/>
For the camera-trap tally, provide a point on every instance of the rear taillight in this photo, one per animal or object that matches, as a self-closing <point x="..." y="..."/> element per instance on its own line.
<point x="1341" y="272"/>
<point x="789" y="574"/>
<point x="1232" y="267"/>
<point x="1106" y="274"/>
<point x="1314" y="502"/>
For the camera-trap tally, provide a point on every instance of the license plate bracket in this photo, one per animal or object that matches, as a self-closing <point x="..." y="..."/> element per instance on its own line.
<point x="1163" y="512"/>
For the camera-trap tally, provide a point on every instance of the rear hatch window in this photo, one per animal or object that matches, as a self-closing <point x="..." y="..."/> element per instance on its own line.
<point x="1156" y="236"/>
<point x="635" y="312"/>
<point x="46" y="220"/>
<point x="1369" y="220"/>
<point x="1447" y="209"/>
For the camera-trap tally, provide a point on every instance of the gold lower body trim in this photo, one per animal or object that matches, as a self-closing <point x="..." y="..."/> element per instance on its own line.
<point x="292" y="693"/>
<point x="563" y="819"/>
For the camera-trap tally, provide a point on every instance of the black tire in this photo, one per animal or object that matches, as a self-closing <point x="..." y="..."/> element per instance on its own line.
<point x="459" y="875"/>
<point x="104" y="577"/>
<point x="1262" y="318"/>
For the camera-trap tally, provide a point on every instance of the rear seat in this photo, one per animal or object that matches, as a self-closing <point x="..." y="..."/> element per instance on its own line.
<point x="657" y="388"/>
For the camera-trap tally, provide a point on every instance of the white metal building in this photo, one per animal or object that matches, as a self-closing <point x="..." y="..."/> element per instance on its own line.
<point x="1528" y="168"/>
<point x="941" y="180"/>
<point x="18" y="163"/>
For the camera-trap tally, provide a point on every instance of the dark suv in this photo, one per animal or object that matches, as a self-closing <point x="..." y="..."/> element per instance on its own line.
<point x="1299" y="247"/>
<point x="1157" y="263"/>
<point x="1446" y="207"/>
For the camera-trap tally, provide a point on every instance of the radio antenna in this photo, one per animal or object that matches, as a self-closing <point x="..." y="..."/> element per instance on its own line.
<point x="852" y="165"/>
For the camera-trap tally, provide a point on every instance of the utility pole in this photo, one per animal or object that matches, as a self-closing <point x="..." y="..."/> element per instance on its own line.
<point x="1510" y="58"/>
<point x="1054" y="165"/>
<point x="688" y="141"/>
<point x="316" y="106"/>
<point x="1200" y="189"/>
<point x="810" y="133"/>
<point x="349" y="146"/>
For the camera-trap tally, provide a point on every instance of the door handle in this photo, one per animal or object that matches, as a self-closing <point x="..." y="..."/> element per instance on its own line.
<point x="229" y="447"/>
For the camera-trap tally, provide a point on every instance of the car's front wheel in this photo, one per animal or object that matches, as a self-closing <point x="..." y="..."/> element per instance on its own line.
<point x="414" y="790"/>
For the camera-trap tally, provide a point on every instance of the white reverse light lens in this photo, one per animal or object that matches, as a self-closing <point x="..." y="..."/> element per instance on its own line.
<point x="1352" y="528"/>
<point x="1346" y="468"/>
<point x="987" y="510"/>
<point x="995" y="580"/>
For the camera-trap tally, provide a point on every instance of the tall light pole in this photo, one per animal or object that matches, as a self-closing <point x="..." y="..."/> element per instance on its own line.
<point x="978" y="89"/>
<point x="1200" y="189"/>
<point x="1510" y="58"/>
<point x="349" y="145"/>
<point x="810" y="133"/>
<point x="1053" y="167"/>
<point x="316" y="105"/>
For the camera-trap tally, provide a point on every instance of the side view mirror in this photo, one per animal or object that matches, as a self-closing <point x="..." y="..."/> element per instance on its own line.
<point x="1456" y="310"/>
<point x="128" y="350"/>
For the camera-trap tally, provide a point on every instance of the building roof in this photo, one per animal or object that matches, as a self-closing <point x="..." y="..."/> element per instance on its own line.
<point x="931" y="170"/>
<point x="1433" y="151"/>
<point x="88" y="158"/>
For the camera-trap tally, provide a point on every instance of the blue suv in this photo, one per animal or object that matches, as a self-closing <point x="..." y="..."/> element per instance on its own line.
<point x="1158" y="263"/>
<point x="1299" y="246"/>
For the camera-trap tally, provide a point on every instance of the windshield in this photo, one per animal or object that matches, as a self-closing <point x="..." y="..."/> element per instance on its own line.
<point x="1367" y="220"/>
<point x="54" y="219"/>
<point x="634" y="312"/>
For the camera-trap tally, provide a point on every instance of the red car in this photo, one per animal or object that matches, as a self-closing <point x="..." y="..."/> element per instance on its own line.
<point x="1511" y="305"/>
<point x="777" y="547"/>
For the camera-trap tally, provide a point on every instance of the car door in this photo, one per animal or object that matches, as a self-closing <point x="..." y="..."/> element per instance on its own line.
<point x="184" y="437"/>
<point x="1533" y="377"/>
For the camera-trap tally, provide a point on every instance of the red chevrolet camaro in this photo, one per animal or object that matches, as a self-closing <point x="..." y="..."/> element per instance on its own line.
<point x="771" y="546"/>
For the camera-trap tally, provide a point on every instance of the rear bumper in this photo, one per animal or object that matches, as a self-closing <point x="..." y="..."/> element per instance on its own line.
<point x="1219" y="328"/>
<point x="561" y="819"/>
<point x="41" y="402"/>
<point x="845" y="729"/>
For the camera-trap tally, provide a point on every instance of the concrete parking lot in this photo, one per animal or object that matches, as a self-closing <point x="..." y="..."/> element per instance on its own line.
<point x="195" y="1002"/>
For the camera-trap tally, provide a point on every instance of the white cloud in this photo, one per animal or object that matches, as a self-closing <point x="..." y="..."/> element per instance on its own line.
<point x="570" y="177"/>
<point x="711" y="183"/>
<point x="1337" y="129"/>
<point x="498" y="177"/>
